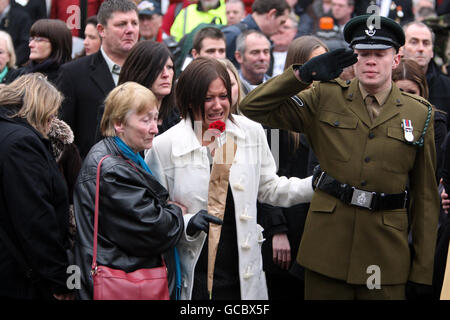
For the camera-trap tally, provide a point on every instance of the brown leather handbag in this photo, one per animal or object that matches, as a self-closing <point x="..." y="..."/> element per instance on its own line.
<point x="115" y="284"/>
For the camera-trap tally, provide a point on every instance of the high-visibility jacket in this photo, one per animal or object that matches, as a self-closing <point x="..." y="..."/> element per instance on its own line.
<point x="190" y="17"/>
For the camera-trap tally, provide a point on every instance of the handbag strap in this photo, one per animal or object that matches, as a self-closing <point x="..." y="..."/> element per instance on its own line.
<point x="97" y="196"/>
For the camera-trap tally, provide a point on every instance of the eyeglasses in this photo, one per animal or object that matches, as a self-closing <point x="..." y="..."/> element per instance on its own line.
<point x="38" y="39"/>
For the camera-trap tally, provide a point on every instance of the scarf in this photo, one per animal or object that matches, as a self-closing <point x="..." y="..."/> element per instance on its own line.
<point x="136" y="158"/>
<point x="43" y="67"/>
<point x="3" y="73"/>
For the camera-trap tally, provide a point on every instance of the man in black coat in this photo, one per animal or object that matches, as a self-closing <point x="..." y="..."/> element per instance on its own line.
<point x="15" y="21"/>
<point x="87" y="81"/>
<point x="419" y="44"/>
<point x="36" y="9"/>
<point x="398" y="10"/>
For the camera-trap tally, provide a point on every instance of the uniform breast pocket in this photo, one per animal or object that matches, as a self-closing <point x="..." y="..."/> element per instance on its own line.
<point x="398" y="155"/>
<point x="337" y="135"/>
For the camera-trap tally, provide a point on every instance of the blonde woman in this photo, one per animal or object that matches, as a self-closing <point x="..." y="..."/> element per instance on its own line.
<point x="7" y="56"/>
<point x="34" y="204"/>
<point x="136" y="222"/>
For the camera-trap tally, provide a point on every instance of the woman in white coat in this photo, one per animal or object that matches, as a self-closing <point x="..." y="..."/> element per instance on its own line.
<point x="181" y="160"/>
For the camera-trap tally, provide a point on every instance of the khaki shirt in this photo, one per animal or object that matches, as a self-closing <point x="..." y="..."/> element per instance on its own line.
<point x="370" y="153"/>
<point x="375" y="103"/>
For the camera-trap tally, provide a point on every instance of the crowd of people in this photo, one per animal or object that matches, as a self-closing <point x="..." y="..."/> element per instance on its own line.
<point x="331" y="160"/>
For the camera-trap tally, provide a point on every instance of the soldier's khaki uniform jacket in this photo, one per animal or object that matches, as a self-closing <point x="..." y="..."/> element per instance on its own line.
<point x="342" y="241"/>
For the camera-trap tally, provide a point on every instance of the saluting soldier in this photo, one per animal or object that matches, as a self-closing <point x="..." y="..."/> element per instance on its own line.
<point x="372" y="141"/>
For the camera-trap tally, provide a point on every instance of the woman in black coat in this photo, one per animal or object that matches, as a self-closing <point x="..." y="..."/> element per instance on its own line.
<point x="50" y="46"/>
<point x="34" y="206"/>
<point x="137" y="224"/>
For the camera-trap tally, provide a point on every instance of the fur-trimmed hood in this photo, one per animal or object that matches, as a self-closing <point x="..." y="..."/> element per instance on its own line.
<point x="60" y="134"/>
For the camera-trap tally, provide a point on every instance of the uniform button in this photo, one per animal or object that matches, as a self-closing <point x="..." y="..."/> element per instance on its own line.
<point x="363" y="183"/>
<point x="336" y="123"/>
<point x="371" y="135"/>
<point x="366" y="159"/>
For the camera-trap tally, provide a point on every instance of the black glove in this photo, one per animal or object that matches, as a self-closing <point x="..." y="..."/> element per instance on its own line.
<point x="417" y="291"/>
<point x="327" y="66"/>
<point x="200" y="222"/>
<point x="316" y="174"/>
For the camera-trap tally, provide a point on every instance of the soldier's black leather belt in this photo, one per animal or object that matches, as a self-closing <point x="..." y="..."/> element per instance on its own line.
<point x="374" y="201"/>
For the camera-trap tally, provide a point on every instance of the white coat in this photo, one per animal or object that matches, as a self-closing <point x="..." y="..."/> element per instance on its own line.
<point x="179" y="161"/>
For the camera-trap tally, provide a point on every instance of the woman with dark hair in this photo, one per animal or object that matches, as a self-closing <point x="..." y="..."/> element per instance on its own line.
<point x="92" y="40"/>
<point x="150" y="64"/>
<point x="50" y="46"/>
<point x="304" y="48"/>
<point x="189" y="165"/>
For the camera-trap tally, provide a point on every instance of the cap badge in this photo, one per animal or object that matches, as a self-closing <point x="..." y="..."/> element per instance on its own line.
<point x="370" y="31"/>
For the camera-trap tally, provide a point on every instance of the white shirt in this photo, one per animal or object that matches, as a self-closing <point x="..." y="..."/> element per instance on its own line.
<point x="385" y="7"/>
<point x="279" y="58"/>
<point x="111" y="66"/>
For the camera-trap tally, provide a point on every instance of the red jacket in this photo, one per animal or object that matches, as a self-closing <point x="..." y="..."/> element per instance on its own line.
<point x="248" y="5"/>
<point x="60" y="7"/>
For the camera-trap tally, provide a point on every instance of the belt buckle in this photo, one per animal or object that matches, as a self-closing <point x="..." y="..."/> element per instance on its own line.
<point x="362" y="198"/>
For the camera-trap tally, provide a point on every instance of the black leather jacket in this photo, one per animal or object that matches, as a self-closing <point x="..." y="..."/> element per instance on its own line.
<point x="135" y="226"/>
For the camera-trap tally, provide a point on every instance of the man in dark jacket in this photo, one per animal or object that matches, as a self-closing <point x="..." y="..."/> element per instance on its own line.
<point x="85" y="82"/>
<point x="17" y="23"/>
<point x="36" y="9"/>
<point x="419" y="43"/>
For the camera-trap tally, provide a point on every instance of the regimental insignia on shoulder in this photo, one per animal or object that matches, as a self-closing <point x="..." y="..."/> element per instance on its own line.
<point x="297" y="101"/>
<point x="420" y="99"/>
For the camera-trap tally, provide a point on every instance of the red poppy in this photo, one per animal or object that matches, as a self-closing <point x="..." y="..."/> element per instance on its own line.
<point x="219" y="125"/>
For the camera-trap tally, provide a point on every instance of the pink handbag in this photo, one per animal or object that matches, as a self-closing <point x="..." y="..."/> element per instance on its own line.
<point x="114" y="284"/>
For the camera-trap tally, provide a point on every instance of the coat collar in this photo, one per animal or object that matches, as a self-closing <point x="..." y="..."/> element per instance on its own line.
<point x="188" y="138"/>
<point x="357" y="105"/>
<point x="100" y="73"/>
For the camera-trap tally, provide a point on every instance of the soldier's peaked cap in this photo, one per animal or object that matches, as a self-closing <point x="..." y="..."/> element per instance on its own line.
<point x="373" y="32"/>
